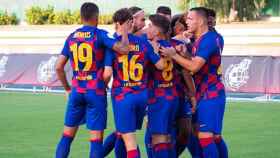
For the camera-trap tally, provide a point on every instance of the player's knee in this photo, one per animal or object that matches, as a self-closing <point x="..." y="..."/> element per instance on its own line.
<point x="96" y="135"/>
<point x="70" y="131"/>
<point x="130" y="141"/>
<point x="160" y="138"/>
<point x="205" y="138"/>
<point x="205" y="135"/>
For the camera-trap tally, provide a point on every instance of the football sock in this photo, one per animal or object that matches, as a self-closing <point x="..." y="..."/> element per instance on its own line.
<point x="96" y="148"/>
<point x="209" y="148"/>
<point x="109" y="143"/>
<point x="222" y="147"/>
<point x="63" y="147"/>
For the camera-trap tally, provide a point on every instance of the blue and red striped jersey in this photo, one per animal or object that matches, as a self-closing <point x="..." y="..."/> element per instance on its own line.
<point x="163" y="83"/>
<point x="208" y="79"/>
<point x="130" y="72"/>
<point x="85" y="49"/>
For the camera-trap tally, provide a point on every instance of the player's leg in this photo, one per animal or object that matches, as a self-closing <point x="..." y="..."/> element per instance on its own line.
<point x="96" y="118"/>
<point x="207" y="119"/>
<point x="96" y="141"/>
<point x="222" y="146"/>
<point x="148" y="143"/>
<point x="183" y="125"/>
<point x="75" y="113"/>
<point x="220" y="143"/>
<point x="120" y="150"/>
<point x="159" y="116"/>
<point x="193" y="144"/>
<point x="125" y="122"/>
<point x="109" y="143"/>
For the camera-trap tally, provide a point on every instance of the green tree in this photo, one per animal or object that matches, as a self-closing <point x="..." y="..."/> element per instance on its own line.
<point x="242" y="9"/>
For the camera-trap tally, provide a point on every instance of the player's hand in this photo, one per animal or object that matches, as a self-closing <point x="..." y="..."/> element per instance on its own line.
<point x="181" y="49"/>
<point x="187" y="34"/>
<point x="125" y="27"/>
<point x="168" y="51"/>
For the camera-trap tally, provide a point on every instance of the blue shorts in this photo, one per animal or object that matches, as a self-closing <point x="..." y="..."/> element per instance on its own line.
<point x="130" y="111"/>
<point x="162" y="115"/>
<point x="184" y="109"/>
<point x="86" y="108"/>
<point x="210" y="114"/>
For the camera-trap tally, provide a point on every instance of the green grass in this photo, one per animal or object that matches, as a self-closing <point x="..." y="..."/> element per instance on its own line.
<point x="31" y="125"/>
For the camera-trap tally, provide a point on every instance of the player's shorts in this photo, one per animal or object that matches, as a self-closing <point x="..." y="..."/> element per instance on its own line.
<point x="130" y="111"/>
<point x="184" y="109"/>
<point x="86" y="107"/>
<point x="210" y="114"/>
<point x="162" y="115"/>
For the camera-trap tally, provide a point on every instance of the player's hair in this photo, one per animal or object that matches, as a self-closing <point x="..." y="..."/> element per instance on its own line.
<point x="122" y="15"/>
<point x="211" y="12"/>
<point x="201" y="11"/>
<point x="178" y="18"/>
<point x="164" y="10"/>
<point x="133" y="10"/>
<point x="89" y="10"/>
<point x="162" y="22"/>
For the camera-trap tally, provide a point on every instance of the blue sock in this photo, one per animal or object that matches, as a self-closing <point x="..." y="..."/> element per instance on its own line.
<point x="161" y="150"/>
<point x="148" y="144"/>
<point x="194" y="147"/>
<point x="120" y="150"/>
<point x="209" y="148"/>
<point x="222" y="147"/>
<point x="63" y="147"/>
<point x="172" y="151"/>
<point x="96" y="149"/>
<point x="109" y="143"/>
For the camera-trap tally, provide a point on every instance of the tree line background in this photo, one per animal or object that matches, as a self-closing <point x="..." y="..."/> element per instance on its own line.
<point x="231" y="10"/>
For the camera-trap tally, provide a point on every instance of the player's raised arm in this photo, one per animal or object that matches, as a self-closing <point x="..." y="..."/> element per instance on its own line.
<point x="123" y="46"/>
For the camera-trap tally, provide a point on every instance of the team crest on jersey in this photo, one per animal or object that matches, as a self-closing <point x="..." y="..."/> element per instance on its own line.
<point x="237" y="75"/>
<point x="46" y="70"/>
<point x="3" y="63"/>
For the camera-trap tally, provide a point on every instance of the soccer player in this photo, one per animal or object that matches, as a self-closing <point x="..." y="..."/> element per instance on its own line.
<point x="138" y="23"/>
<point x="163" y="98"/>
<point x="130" y="77"/>
<point x="164" y="11"/>
<point x="205" y="65"/>
<point x="220" y="143"/>
<point x="87" y="100"/>
<point x="186" y="88"/>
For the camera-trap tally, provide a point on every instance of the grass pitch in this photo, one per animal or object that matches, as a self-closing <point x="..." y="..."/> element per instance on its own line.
<point x="31" y="125"/>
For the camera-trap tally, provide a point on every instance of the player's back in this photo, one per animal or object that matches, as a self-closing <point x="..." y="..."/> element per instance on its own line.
<point x="86" y="56"/>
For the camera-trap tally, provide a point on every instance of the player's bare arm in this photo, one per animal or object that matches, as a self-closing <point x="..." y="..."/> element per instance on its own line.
<point x="193" y="65"/>
<point x="107" y="74"/>
<point x="182" y="50"/>
<point x="123" y="46"/>
<point x="60" y="64"/>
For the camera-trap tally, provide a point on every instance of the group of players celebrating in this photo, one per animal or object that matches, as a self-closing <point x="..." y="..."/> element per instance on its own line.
<point x="169" y="70"/>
